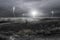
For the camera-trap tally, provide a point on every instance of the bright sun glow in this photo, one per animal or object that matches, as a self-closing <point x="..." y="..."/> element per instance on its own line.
<point x="33" y="13"/>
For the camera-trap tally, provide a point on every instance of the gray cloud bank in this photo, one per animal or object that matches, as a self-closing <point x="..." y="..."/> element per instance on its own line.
<point x="23" y="6"/>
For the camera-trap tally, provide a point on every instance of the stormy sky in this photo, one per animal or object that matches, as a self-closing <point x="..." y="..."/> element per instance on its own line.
<point x="20" y="8"/>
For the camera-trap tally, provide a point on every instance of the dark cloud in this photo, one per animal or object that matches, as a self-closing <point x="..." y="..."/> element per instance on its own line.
<point x="23" y="6"/>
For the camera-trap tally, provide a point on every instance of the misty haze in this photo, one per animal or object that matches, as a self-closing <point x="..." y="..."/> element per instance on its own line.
<point x="29" y="19"/>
